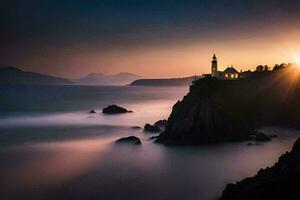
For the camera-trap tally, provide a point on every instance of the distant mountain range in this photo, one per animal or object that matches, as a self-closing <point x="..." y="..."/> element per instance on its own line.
<point x="123" y="78"/>
<point x="13" y="75"/>
<point x="186" y="81"/>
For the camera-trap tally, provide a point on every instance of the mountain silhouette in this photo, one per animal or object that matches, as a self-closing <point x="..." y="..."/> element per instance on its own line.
<point x="14" y="75"/>
<point x="123" y="78"/>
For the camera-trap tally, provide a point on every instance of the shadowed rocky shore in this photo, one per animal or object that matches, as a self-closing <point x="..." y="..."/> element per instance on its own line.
<point x="278" y="182"/>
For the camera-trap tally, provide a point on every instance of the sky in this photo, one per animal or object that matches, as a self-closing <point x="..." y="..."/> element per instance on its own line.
<point x="152" y="38"/>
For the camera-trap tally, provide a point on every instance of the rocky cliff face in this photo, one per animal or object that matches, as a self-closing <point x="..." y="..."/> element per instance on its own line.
<point x="222" y="111"/>
<point x="278" y="182"/>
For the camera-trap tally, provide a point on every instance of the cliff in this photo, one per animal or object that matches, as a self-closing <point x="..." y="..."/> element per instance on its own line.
<point x="223" y="111"/>
<point x="278" y="182"/>
<point x="164" y="82"/>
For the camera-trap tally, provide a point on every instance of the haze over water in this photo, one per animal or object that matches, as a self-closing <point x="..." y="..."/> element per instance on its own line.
<point x="51" y="148"/>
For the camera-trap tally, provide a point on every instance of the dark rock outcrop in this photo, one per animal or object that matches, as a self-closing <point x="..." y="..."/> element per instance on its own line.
<point x="161" y="123"/>
<point x="225" y="111"/>
<point x="151" y="128"/>
<point x="253" y="143"/>
<point x="115" y="109"/>
<point x="278" y="182"/>
<point x="260" y="137"/>
<point x="136" y="127"/>
<point x="273" y="136"/>
<point x="153" y="138"/>
<point x="92" y="112"/>
<point x="129" y="140"/>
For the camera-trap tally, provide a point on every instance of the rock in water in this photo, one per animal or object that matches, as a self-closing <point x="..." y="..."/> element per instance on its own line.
<point x="92" y="112"/>
<point x="129" y="140"/>
<point x="151" y="128"/>
<point x="114" y="109"/>
<point x="261" y="137"/>
<point x="278" y="182"/>
<point x="273" y="136"/>
<point x="161" y="123"/>
<point x="136" y="127"/>
<point x="153" y="137"/>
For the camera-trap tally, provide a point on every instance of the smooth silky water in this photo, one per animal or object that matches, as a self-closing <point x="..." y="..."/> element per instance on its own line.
<point x="52" y="148"/>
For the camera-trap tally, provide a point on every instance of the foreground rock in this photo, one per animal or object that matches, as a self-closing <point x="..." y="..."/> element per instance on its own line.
<point x="161" y="123"/>
<point x="282" y="181"/>
<point x="115" y="109"/>
<point x="151" y="128"/>
<point x="217" y="111"/>
<point x="129" y="140"/>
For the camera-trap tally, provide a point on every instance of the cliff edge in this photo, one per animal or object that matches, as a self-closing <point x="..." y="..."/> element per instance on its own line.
<point x="229" y="110"/>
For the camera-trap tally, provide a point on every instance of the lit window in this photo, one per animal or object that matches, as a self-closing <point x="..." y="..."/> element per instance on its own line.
<point x="232" y="75"/>
<point x="226" y="75"/>
<point x="236" y="75"/>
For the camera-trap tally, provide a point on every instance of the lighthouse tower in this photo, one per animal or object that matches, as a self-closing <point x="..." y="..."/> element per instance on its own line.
<point x="214" y="65"/>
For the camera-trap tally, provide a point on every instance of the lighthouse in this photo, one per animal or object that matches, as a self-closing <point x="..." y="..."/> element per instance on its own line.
<point x="214" y="66"/>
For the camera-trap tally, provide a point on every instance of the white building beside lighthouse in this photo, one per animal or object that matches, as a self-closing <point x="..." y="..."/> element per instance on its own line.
<point x="230" y="73"/>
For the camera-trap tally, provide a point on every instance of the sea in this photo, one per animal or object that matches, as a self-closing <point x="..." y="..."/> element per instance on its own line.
<point x="52" y="148"/>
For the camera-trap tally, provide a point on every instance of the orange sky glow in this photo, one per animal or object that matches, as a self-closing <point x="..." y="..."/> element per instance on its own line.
<point x="149" y="38"/>
<point x="177" y="59"/>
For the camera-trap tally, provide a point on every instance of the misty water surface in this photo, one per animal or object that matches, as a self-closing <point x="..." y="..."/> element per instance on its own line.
<point x="52" y="148"/>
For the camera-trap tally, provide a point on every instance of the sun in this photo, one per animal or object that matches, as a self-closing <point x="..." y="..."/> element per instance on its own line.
<point x="296" y="59"/>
